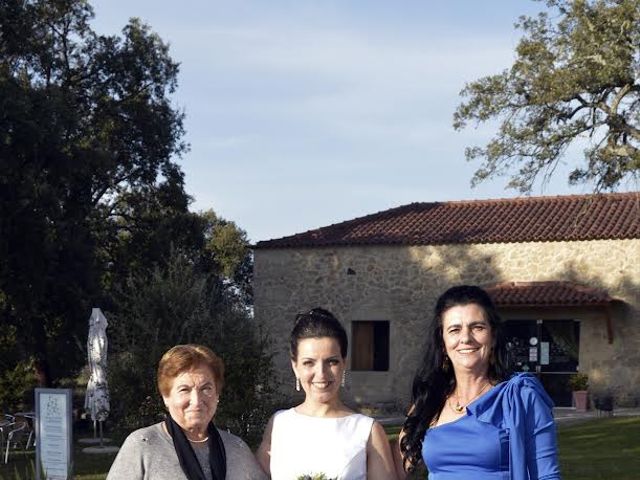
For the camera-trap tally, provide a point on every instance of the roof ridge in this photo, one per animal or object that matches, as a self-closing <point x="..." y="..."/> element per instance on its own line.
<point x="527" y="198"/>
<point x="337" y="224"/>
<point x="548" y="293"/>
<point x="540" y="283"/>
<point x="559" y="217"/>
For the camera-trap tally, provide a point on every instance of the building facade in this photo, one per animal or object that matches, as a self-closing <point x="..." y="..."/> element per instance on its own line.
<point x="564" y="272"/>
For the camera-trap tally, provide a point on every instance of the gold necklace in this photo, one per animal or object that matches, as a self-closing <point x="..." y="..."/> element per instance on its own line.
<point x="457" y="408"/>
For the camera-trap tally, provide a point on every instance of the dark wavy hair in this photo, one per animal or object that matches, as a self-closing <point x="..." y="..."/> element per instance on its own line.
<point x="434" y="381"/>
<point x="317" y="323"/>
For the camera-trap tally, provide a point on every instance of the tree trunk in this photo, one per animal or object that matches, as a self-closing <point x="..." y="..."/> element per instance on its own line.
<point x="39" y="345"/>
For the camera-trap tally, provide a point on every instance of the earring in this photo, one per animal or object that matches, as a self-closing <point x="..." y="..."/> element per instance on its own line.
<point x="297" y="384"/>
<point x="344" y="379"/>
<point x="445" y="363"/>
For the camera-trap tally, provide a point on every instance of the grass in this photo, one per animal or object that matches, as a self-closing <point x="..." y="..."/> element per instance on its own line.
<point x="600" y="449"/>
<point x="392" y="432"/>
<point x="21" y="465"/>
<point x="595" y="449"/>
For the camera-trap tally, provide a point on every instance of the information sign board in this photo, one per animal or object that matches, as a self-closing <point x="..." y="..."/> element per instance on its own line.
<point x="53" y="433"/>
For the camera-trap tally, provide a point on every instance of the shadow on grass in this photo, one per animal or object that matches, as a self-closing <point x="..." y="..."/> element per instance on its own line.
<point x="603" y="449"/>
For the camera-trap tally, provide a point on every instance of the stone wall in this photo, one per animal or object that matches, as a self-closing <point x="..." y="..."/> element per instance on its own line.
<point x="400" y="284"/>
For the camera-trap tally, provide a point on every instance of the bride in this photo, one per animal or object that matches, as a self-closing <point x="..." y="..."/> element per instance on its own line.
<point x="322" y="435"/>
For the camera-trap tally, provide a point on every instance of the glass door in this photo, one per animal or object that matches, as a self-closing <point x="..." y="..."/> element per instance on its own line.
<point x="548" y="348"/>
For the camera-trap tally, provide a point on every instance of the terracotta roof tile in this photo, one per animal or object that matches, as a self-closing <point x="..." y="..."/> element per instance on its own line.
<point x="546" y="294"/>
<point x="526" y="219"/>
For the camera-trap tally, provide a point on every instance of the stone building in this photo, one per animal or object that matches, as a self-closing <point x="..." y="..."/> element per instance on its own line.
<point x="564" y="272"/>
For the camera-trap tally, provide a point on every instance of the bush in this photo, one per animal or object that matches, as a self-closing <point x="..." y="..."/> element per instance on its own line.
<point x="16" y="387"/>
<point x="179" y="305"/>
<point x="17" y="374"/>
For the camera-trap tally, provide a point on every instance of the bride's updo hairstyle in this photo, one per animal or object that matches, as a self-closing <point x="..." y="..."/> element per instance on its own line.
<point x="317" y="323"/>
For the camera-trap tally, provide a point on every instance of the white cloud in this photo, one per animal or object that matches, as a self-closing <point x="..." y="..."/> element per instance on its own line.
<point x="339" y="82"/>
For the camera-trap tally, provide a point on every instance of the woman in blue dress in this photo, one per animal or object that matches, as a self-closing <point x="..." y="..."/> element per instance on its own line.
<point x="469" y="417"/>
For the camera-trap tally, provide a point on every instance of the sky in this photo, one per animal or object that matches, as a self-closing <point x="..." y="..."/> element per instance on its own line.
<point x="301" y="114"/>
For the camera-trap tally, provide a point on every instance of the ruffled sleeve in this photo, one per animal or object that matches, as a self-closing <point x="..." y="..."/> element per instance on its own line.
<point x="522" y="406"/>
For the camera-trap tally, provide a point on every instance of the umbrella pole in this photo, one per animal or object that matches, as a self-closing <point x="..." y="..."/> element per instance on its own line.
<point x="95" y="432"/>
<point x="101" y="434"/>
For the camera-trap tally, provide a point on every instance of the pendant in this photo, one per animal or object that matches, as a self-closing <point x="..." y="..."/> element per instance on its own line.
<point x="458" y="408"/>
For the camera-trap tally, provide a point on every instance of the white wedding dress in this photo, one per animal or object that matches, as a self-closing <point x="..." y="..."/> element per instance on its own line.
<point x="304" y="445"/>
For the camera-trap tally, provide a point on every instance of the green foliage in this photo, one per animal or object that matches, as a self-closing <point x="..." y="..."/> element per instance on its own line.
<point x="575" y="79"/>
<point x="16" y="387"/>
<point x="579" y="381"/>
<point x="179" y="304"/>
<point x="227" y="248"/>
<point x="17" y="376"/>
<point x="226" y="242"/>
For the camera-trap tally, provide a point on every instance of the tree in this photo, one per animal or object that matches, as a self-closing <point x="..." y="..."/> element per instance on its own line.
<point x="149" y="224"/>
<point x="89" y="138"/>
<point x="227" y="247"/>
<point x="576" y="78"/>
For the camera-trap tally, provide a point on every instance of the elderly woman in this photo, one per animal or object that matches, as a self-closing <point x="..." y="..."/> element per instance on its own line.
<point x="186" y="446"/>
<point x="470" y="417"/>
<point x="322" y="435"/>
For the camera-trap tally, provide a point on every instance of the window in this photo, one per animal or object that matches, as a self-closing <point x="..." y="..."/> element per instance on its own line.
<point x="370" y="349"/>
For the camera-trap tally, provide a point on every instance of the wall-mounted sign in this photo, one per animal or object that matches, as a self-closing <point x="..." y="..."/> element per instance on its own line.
<point x="544" y="353"/>
<point x="53" y="433"/>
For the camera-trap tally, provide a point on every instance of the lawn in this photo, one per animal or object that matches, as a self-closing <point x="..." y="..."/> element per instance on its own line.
<point x="603" y="448"/>
<point x="87" y="466"/>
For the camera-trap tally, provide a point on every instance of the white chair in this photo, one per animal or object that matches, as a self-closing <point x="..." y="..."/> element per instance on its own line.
<point x="18" y="431"/>
<point x="6" y="421"/>
<point x="31" y="419"/>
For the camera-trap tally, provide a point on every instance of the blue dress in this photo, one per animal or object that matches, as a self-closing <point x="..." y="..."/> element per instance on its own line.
<point x="507" y="434"/>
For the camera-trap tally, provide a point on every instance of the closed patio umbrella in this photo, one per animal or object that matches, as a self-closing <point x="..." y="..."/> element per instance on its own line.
<point x="97" y="396"/>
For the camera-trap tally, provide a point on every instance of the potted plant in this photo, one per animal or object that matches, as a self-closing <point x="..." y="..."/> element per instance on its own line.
<point x="579" y="382"/>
